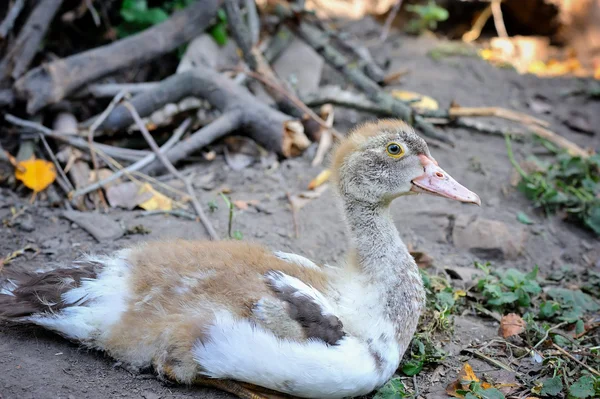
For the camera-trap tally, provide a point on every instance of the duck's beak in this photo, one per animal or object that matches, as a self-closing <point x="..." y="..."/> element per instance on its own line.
<point x="437" y="182"/>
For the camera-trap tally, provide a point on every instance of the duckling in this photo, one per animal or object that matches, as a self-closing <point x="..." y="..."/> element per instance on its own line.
<point x="258" y="323"/>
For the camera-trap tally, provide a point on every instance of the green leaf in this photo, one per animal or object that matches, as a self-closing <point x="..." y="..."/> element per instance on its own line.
<point x="393" y="389"/>
<point x="576" y="301"/>
<point x="548" y="309"/>
<point x="237" y="235"/>
<point x="412" y="367"/>
<point x="491" y="393"/>
<point x="532" y="287"/>
<point x="219" y="33"/>
<point x="523" y="218"/>
<point x="505" y="298"/>
<point x="592" y="219"/>
<point x="469" y="395"/>
<point x="532" y="275"/>
<point x="552" y="386"/>
<point x="579" y="327"/>
<point x="583" y="388"/>
<point x="444" y="299"/>
<point x="524" y="299"/>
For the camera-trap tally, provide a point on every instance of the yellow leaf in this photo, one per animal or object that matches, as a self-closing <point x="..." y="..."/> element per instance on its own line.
<point x="418" y="101"/>
<point x="320" y="179"/>
<point x="459" y="293"/>
<point x="36" y="174"/>
<point x="158" y="201"/>
<point x="467" y="375"/>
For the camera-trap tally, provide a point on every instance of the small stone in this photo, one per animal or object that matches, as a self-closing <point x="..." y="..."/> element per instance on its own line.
<point x="51" y="243"/>
<point x="300" y="65"/>
<point x="101" y="227"/>
<point x="27" y="225"/>
<point x="150" y="395"/>
<point x="488" y="238"/>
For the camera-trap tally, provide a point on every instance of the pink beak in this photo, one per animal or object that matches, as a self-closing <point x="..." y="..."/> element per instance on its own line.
<point x="437" y="182"/>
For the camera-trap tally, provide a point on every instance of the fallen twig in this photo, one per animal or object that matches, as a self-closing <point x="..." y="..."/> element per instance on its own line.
<point x="253" y="21"/>
<point x="326" y="140"/>
<point x="62" y="179"/>
<point x="16" y="62"/>
<point x="567" y="354"/>
<point x="488" y="359"/>
<point x="498" y="19"/>
<point x="388" y="21"/>
<point x="49" y="83"/>
<point x="278" y="89"/>
<point x="475" y="31"/>
<point x="198" y="208"/>
<point x="90" y="139"/>
<point x="296" y="101"/>
<point x="124" y="154"/>
<point x="12" y="15"/>
<point x="294" y="215"/>
<point x="315" y="38"/>
<point x="265" y="125"/>
<point x="138" y="165"/>
<point x="175" y="212"/>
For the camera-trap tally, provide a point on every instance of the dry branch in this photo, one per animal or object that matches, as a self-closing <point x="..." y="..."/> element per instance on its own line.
<point x="52" y="82"/>
<point x="8" y="22"/>
<point x="16" y="62"/>
<point x="319" y="41"/>
<point x="163" y="159"/>
<point x="279" y="90"/>
<point x="135" y="166"/>
<point x="124" y="154"/>
<point x="240" y="109"/>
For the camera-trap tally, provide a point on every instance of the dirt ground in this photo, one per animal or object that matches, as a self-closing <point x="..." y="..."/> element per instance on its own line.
<point x="38" y="365"/>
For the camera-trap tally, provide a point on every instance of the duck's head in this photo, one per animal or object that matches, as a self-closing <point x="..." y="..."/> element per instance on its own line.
<point x="383" y="160"/>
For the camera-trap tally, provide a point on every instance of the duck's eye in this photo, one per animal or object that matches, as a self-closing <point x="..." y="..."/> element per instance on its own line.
<point x="395" y="150"/>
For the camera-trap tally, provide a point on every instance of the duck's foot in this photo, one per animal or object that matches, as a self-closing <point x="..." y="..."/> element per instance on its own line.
<point x="241" y="389"/>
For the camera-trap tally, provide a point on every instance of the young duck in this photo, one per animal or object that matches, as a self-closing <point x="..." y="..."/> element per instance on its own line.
<point x="247" y="320"/>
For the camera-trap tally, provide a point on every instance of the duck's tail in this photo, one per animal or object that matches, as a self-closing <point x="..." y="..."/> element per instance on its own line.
<point x="79" y="302"/>
<point x="25" y="294"/>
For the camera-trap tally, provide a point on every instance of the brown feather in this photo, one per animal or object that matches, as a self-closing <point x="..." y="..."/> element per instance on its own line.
<point x="41" y="292"/>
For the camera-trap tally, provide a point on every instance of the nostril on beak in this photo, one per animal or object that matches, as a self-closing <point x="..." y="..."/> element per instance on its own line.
<point x="439" y="174"/>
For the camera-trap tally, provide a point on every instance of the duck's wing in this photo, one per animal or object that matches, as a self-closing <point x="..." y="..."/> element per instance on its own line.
<point x="109" y="301"/>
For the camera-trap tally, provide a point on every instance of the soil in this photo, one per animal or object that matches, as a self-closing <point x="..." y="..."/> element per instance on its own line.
<point x="37" y="364"/>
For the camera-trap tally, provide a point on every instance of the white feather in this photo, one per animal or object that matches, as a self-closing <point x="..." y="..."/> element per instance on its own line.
<point x="96" y="304"/>
<point x="237" y="349"/>
<point x="296" y="259"/>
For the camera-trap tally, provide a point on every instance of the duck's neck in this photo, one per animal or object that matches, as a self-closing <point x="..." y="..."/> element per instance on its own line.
<point x="382" y="257"/>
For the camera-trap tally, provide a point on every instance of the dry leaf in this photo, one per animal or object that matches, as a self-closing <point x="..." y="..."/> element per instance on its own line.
<point x="158" y="201"/>
<point x="465" y="377"/>
<point x="298" y="201"/>
<point x="511" y="324"/>
<point x="320" y="179"/>
<point x="459" y="294"/>
<point x="421" y="102"/>
<point x="243" y="205"/>
<point x="126" y="195"/>
<point x="423" y="260"/>
<point x="36" y="174"/>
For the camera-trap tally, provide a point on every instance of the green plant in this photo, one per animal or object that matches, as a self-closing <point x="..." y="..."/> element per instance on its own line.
<point x="428" y="16"/>
<point x="507" y="289"/>
<point x="422" y="352"/>
<point x="393" y="389"/>
<point x="137" y="16"/>
<point x="570" y="184"/>
<point x="235" y="234"/>
<point x="476" y="391"/>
